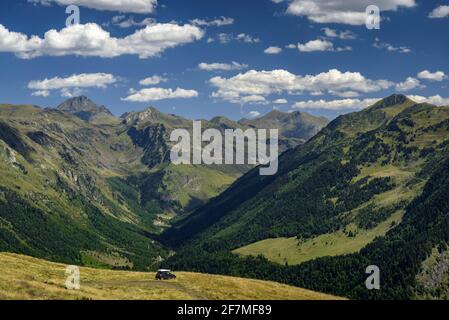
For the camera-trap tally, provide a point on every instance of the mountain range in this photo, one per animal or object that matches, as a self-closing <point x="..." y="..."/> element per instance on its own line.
<point x="368" y="189"/>
<point x="80" y="185"/>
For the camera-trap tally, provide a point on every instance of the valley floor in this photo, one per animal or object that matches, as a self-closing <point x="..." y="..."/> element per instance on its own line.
<point x="26" y="278"/>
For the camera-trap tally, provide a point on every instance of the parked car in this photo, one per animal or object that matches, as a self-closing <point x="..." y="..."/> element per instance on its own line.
<point x="165" y="274"/>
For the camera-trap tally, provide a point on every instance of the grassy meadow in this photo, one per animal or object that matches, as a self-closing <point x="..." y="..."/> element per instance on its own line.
<point x="26" y="278"/>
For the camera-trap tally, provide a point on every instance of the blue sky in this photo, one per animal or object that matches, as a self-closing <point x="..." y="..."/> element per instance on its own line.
<point x="204" y="58"/>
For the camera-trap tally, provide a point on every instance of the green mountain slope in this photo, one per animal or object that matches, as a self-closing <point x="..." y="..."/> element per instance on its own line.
<point x="48" y="283"/>
<point x="80" y="185"/>
<point x="375" y="173"/>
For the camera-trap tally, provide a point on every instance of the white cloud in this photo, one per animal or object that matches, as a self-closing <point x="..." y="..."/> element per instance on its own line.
<point x="335" y="105"/>
<point x="225" y="38"/>
<point x="152" y="80"/>
<point x="384" y="45"/>
<point x="254" y="99"/>
<point x="41" y="93"/>
<point x="409" y="84"/>
<point x="156" y="94"/>
<point x="223" y="21"/>
<point x="122" y="22"/>
<point x="316" y="45"/>
<point x="243" y="37"/>
<point x="273" y="50"/>
<point x="133" y="6"/>
<point x="70" y="93"/>
<point x="432" y="76"/>
<point x="91" y="40"/>
<point x="222" y="66"/>
<point x="254" y="114"/>
<point x="350" y="12"/>
<point x="436" y="100"/>
<point x="320" y="45"/>
<point x="84" y="80"/>
<point x="439" y="12"/>
<point x="264" y="83"/>
<point x="345" y="94"/>
<point x="71" y="86"/>
<point x="343" y="35"/>
<point x="280" y="101"/>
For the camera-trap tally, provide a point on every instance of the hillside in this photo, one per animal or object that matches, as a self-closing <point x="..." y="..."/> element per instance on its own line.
<point x="82" y="186"/>
<point x="368" y="189"/>
<point x="26" y="278"/>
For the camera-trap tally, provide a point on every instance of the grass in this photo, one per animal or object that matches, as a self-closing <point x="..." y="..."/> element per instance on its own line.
<point x="293" y="251"/>
<point x="26" y="278"/>
<point x="186" y="183"/>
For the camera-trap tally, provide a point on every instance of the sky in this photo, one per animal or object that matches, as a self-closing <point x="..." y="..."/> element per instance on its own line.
<point x="205" y="58"/>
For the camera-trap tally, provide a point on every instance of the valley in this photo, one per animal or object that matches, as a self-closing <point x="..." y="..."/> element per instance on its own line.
<point x="81" y="185"/>
<point x="369" y="188"/>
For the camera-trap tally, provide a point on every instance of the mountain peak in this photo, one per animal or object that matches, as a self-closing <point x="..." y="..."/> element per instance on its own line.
<point x="153" y="115"/>
<point x="84" y="108"/>
<point x="147" y="115"/>
<point x="395" y="99"/>
<point x="274" y="114"/>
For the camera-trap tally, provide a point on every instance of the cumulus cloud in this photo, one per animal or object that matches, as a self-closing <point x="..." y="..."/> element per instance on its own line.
<point x="316" y="45"/>
<point x="343" y="35"/>
<point x="432" y="76"/>
<point x="91" y="40"/>
<point x="321" y="45"/>
<point x="409" y="84"/>
<point x="153" y="80"/>
<point x="70" y="93"/>
<point x="219" y="22"/>
<point x="335" y="105"/>
<point x="264" y="83"/>
<point x="351" y="12"/>
<point x="436" y="100"/>
<point x="253" y="114"/>
<point x="273" y="50"/>
<point x="384" y="45"/>
<point x="254" y="99"/>
<point x="41" y="93"/>
<point x="71" y="84"/>
<point x="84" y="80"/>
<point x="440" y="12"/>
<point x="222" y="66"/>
<point x="132" y="6"/>
<point x="280" y="101"/>
<point x="226" y="38"/>
<point x="123" y="22"/>
<point x="156" y="94"/>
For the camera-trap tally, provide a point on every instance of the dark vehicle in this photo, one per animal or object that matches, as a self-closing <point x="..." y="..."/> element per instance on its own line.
<point x="164" y="274"/>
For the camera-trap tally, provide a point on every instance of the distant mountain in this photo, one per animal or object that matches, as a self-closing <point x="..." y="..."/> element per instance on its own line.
<point x="152" y="115"/>
<point x="79" y="185"/>
<point x="294" y="128"/>
<point x="85" y="109"/>
<point x="369" y="189"/>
